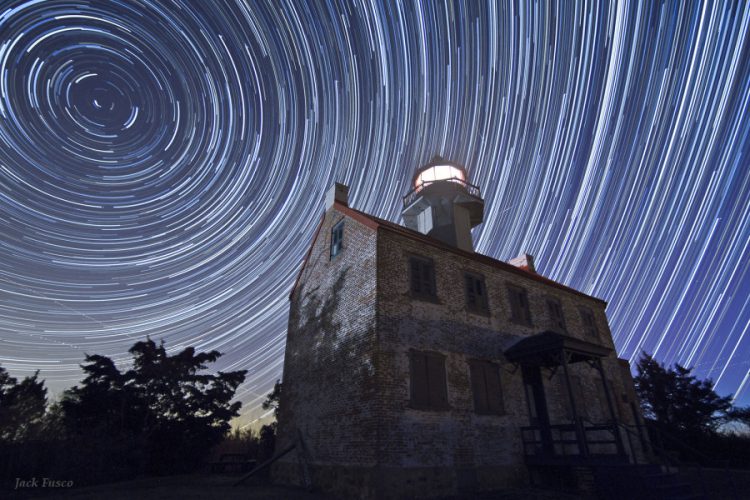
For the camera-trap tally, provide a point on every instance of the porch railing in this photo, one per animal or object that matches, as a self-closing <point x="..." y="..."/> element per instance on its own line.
<point x="573" y="439"/>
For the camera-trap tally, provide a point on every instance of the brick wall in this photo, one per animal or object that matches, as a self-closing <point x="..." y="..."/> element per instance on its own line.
<point x="458" y="436"/>
<point x="329" y="373"/>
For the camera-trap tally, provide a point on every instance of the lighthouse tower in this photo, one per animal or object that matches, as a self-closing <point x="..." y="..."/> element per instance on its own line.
<point x="442" y="204"/>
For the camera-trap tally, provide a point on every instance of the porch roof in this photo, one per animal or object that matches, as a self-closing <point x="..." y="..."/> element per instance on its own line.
<point x="546" y="348"/>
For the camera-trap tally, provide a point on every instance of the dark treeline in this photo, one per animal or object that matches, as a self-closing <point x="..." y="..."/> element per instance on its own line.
<point x="161" y="416"/>
<point x="688" y="420"/>
<point x="255" y="446"/>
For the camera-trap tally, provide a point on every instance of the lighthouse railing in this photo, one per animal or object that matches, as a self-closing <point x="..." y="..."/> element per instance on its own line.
<point x="412" y="195"/>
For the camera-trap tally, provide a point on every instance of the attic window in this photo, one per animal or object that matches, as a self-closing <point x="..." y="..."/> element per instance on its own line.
<point x="589" y="323"/>
<point x="422" y="278"/>
<point x="519" y="305"/>
<point x="476" y="293"/>
<point x="337" y="239"/>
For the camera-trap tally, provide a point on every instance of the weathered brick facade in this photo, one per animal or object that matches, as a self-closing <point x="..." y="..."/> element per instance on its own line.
<point x="346" y="388"/>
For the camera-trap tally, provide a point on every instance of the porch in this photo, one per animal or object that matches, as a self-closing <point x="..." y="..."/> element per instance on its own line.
<point x="576" y="441"/>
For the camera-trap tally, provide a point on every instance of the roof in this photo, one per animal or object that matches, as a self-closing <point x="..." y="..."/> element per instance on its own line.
<point x="377" y="223"/>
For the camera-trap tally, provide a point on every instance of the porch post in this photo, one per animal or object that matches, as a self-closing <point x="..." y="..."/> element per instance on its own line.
<point x="580" y="437"/>
<point x="618" y="438"/>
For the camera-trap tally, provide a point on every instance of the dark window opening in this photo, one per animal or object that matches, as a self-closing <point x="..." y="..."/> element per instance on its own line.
<point x="422" y="277"/>
<point x="485" y="384"/>
<point x="428" y="385"/>
<point x="589" y="324"/>
<point x="476" y="293"/>
<point x="556" y="314"/>
<point x="519" y="305"/>
<point x="337" y="239"/>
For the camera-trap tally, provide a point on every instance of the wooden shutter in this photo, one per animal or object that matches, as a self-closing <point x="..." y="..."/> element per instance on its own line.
<point x="515" y="306"/>
<point x="589" y="324"/>
<point x="555" y="312"/>
<point x="494" y="390"/>
<point x="437" y="382"/>
<point x="419" y="385"/>
<point x="416" y="275"/>
<point x="471" y="297"/>
<point x="478" y="387"/>
<point x="428" y="278"/>
<point x="524" y="301"/>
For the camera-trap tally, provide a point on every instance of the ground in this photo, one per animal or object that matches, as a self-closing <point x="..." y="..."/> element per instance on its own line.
<point x="204" y="486"/>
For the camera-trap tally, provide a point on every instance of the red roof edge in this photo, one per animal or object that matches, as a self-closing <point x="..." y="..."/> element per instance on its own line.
<point x="307" y="255"/>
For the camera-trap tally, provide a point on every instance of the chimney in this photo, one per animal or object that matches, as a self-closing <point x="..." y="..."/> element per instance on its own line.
<point x="337" y="193"/>
<point x="524" y="261"/>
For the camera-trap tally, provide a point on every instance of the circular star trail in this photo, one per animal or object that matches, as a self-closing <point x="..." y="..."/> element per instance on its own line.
<point x="163" y="164"/>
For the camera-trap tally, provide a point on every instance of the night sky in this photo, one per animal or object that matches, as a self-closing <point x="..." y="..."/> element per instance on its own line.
<point x="163" y="164"/>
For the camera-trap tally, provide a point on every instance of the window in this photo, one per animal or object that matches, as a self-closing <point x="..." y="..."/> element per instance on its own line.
<point x="428" y="386"/>
<point x="422" y="274"/>
<point x="476" y="293"/>
<point x="556" y="314"/>
<point x="337" y="239"/>
<point x="589" y="323"/>
<point x="485" y="384"/>
<point x="519" y="305"/>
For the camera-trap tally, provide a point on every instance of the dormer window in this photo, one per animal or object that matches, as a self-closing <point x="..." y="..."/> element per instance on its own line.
<point x="337" y="239"/>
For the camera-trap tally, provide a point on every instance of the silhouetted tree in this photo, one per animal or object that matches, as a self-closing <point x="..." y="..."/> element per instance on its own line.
<point x="267" y="436"/>
<point x="676" y="402"/>
<point x="740" y="414"/>
<point x="22" y="407"/>
<point x="163" y="411"/>
<point x="272" y="399"/>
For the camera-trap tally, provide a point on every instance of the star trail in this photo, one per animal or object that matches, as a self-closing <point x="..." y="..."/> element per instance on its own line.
<point x="163" y="164"/>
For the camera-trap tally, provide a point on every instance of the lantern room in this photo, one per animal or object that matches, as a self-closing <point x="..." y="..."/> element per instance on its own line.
<point x="443" y="204"/>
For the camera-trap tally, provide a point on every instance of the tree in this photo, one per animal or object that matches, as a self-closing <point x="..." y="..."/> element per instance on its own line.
<point x="22" y="407"/>
<point x="272" y="399"/>
<point x="267" y="436"/>
<point x="676" y="402"/>
<point x="162" y="411"/>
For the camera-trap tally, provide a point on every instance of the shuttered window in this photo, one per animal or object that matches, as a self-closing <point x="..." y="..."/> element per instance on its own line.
<point x="476" y="293"/>
<point x="556" y="314"/>
<point x="337" y="239"/>
<point x="519" y="305"/>
<point x="422" y="278"/>
<point x="589" y="323"/>
<point x="428" y="385"/>
<point x="485" y="385"/>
